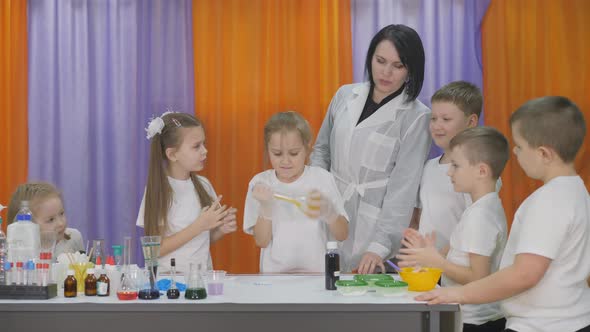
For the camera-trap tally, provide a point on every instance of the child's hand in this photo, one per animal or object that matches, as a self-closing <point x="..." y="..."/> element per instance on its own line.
<point x="413" y="239"/>
<point x="264" y="195"/>
<point x="212" y="216"/>
<point x="229" y="222"/>
<point x="320" y="207"/>
<point x="427" y="256"/>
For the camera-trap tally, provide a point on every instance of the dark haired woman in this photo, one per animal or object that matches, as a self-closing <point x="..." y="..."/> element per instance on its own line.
<point x="375" y="140"/>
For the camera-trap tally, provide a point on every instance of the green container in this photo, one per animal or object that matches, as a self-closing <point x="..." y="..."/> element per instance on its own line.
<point x="372" y="278"/>
<point x="391" y="287"/>
<point x="352" y="287"/>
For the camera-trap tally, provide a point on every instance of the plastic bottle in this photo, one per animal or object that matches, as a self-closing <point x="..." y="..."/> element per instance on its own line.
<point x="332" y="265"/>
<point x="90" y="283"/>
<point x="3" y="246"/>
<point x="103" y="284"/>
<point x="23" y="236"/>
<point x="70" y="285"/>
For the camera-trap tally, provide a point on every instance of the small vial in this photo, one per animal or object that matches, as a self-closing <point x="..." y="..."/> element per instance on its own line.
<point x="103" y="284"/>
<point x="8" y="269"/>
<point x="20" y="275"/>
<point x="70" y="285"/>
<point x="45" y="275"/>
<point x="39" y="275"/>
<point x="30" y="273"/>
<point x="90" y="283"/>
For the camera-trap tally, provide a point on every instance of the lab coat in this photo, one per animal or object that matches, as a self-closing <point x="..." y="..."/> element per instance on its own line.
<point x="377" y="166"/>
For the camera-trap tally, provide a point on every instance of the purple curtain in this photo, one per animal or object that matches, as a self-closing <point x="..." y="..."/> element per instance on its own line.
<point x="98" y="71"/>
<point x="449" y="29"/>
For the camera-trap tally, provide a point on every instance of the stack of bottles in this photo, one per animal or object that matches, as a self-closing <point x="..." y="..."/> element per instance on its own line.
<point x="24" y="269"/>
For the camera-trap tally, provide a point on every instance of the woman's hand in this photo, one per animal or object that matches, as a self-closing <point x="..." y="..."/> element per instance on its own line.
<point x="369" y="262"/>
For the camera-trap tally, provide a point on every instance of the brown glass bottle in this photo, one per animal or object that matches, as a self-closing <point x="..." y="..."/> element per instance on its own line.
<point x="103" y="285"/>
<point x="90" y="284"/>
<point x="70" y="285"/>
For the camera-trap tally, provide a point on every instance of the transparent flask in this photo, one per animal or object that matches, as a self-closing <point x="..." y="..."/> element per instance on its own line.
<point x="195" y="287"/>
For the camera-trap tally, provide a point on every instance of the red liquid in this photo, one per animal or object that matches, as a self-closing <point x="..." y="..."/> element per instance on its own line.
<point x="125" y="296"/>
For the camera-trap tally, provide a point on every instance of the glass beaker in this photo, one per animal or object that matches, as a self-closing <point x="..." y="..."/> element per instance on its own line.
<point x="215" y="280"/>
<point x="151" y="251"/>
<point x="195" y="287"/>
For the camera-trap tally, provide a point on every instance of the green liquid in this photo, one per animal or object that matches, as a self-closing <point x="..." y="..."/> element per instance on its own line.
<point x="195" y="294"/>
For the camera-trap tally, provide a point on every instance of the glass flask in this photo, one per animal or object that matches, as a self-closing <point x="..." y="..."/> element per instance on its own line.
<point x="195" y="287"/>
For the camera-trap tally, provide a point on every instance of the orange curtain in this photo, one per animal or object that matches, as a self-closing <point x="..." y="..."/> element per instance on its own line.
<point x="533" y="49"/>
<point x="254" y="58"/>
<point x="13" y="97"/>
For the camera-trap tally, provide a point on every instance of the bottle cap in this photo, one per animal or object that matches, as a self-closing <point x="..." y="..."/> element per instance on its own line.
<point x="110" y="260"/>
<point x="30" y="265"/>
<point x="39" y="266"/>
<point x="70" y="272"/>
<point x="7" y="266"/>
<point x="98" y="260"/>
<point x="19" y="264"/>
<point x="90" y="271"/>
<point x="117" y="249"/>
<point x="332" y="245"/>
<point x="46" y="265"/>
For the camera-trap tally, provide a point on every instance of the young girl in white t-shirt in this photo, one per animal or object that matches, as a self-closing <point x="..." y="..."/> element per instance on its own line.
<point x="292" y="238"/>
<point x="179" y="205"/>
<point x="48" y="210"/>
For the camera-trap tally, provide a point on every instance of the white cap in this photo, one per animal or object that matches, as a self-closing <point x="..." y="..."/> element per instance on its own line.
<point x="90" y="271"/>
<point x="332" y="245"/>
<point x="70" y="272"/>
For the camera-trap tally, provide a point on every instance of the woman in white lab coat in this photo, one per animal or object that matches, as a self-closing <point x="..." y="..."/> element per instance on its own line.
<point x="375" y="140"/>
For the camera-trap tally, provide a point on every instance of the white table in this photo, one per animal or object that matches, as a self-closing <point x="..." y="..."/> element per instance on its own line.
<point x="249" y="303"/>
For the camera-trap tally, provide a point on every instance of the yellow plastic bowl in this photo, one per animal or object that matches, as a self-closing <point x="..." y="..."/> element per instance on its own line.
<point x="421" y="281"/>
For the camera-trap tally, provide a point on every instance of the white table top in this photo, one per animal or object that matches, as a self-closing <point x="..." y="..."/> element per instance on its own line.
<point x="255" y="289"/>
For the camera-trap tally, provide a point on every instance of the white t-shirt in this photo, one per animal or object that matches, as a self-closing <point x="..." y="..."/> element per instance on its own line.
<point x="553" y="222"/>
<point x="74" y="244"/>
<point x="481" y="231"/>
<point x="441" y="205"/>
<point x="185" y="209"/>
<point x="298" y="243"/>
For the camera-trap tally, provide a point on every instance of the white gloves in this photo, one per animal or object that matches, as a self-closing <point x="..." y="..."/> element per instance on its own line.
<point x="320" y="207"/>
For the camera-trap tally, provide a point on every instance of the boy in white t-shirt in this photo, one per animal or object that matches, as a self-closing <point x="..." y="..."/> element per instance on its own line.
<point x="478" y="156"/>
<point x="542" y="280"/>
<point x="455" y="107"/>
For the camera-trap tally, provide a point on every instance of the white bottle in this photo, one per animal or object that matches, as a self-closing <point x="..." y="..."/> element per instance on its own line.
<point x="23" y="236"/>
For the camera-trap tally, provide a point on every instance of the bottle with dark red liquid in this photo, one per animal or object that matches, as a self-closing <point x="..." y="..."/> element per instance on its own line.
<point x="332" y="265"/>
